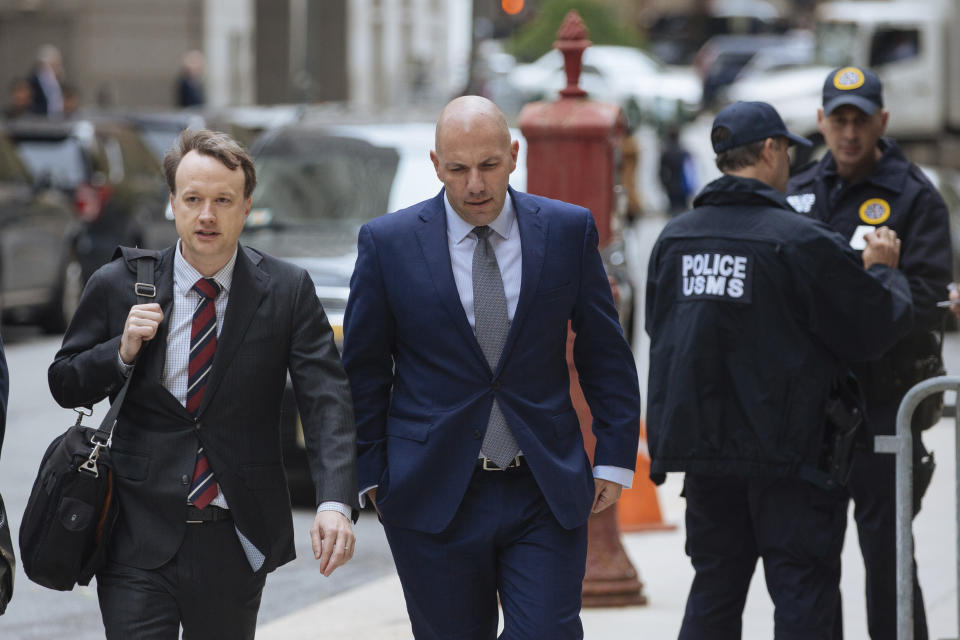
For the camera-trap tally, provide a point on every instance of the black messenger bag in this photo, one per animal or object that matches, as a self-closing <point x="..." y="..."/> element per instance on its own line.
<point x="72" y="507"/>
<point x="71" y="510"/>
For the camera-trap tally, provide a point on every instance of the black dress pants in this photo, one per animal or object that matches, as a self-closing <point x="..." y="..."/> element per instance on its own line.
<point x="208" y="588"/>
<point x="794" y="526"/>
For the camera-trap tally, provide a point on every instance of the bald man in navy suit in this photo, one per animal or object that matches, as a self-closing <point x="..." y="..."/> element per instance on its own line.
<point x="455" y="347"/>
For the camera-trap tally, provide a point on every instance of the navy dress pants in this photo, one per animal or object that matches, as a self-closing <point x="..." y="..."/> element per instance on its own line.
<point x="504" y="541"/>
<point x="794" y="526"/>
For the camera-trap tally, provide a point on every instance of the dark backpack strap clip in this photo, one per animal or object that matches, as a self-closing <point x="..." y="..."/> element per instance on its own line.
<point x="145" y="290"/>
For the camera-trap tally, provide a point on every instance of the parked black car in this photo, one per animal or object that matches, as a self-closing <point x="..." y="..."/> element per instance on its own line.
<point x="113" y="179"/>
<point x="40" y="276"/>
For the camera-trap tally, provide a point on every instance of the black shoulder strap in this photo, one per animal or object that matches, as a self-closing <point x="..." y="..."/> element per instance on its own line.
<point x="146" y="291"/>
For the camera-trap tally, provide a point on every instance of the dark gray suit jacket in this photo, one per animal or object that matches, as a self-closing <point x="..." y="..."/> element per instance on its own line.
<point x="273" y="324"/>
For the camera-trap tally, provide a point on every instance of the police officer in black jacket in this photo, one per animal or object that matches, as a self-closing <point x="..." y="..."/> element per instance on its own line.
<point x="752" y="311"/>
<point x="864" y="181"/>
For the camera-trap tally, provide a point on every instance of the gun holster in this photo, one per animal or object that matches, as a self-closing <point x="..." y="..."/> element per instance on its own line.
<point x="844" y="430"/>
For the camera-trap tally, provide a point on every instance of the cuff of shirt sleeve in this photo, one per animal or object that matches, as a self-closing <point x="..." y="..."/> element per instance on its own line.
<point x="339" y="507"/>
<point x="614" y="474"/>
<point x="363" y="495"/>
<point x="123" y="367"/>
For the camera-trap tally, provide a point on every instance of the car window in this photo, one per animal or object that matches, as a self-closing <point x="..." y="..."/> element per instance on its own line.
<point x="134" y="157"/>
<point x="836" y="43"/>
<point x="11" y="168"/>
<point x="339" y="181"/>
<point x="62" y="159"/>
<point x="893" y="45"/>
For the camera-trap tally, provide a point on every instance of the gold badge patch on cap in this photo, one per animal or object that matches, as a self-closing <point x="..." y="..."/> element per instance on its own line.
<point x="848" y="78"/>
<point x="875" y="211"/>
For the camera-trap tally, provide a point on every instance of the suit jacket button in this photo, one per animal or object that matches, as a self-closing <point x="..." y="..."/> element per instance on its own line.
<point x="184" y="479"/>
<point x="496" y="384"/>
<point x="476" y="434"/>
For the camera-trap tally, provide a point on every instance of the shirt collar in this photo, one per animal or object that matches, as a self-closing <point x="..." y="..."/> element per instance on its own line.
<point x="889" y="171"/>
<point x="459" y="229"/>
<point x="184" y="274"/>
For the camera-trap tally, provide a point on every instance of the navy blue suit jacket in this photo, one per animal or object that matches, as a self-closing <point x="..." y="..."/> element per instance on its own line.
<point x="423" y="390"/>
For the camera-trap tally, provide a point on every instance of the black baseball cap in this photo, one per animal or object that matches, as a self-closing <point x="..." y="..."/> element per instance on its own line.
<point x="855" y="86"/>
<point x="749" y="122"/>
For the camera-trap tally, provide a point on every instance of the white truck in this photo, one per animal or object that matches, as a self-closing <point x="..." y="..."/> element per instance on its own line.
<point x="912" y="45"/>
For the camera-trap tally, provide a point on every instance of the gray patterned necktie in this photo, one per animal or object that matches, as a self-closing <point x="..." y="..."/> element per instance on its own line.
<point x="492" y="326"/>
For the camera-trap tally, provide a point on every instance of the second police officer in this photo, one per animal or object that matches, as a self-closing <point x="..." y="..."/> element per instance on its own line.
<point x="862" y="182"/>
<point x="752" y="311"/>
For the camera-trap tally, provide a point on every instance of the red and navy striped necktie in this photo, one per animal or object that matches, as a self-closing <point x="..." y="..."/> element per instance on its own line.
<point x="203" y="345"/>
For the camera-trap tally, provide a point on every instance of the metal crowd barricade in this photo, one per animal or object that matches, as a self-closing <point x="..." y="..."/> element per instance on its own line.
<point x="901" y="445"/>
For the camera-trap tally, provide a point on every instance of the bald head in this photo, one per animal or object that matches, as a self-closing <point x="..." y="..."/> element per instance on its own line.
<point x="474" y="158"/>
<point x="466" y="113"/>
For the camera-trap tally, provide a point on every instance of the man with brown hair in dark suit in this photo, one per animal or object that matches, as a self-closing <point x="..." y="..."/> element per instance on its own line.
<point x="205" y="510"/>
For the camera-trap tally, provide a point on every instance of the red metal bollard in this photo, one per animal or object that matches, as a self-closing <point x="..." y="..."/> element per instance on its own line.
<point x="571" y="151"/>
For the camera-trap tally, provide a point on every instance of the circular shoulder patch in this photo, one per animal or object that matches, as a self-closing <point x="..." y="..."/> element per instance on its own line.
<point x="848" y="78"/>
<point x="875" y="211"/>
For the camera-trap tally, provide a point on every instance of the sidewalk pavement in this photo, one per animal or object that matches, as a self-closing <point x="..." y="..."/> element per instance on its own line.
<point x="375" y="611"/>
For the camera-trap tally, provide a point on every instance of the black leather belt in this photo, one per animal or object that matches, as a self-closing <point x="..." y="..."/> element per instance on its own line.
<point x="486" y="464"/>
<point x="209" y="513"/>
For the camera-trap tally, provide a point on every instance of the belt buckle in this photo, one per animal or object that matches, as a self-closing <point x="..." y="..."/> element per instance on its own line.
<point x="489" y="465"/>
<point x="202" y="520"/>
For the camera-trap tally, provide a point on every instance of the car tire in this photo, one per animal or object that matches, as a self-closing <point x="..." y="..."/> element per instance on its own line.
<point x="66" y="296"/>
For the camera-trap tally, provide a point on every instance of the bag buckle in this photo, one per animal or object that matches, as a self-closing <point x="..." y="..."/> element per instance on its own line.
<point x="90" y="464"/>
<point x="82" y="411"/>
<point x="145" y="290"/>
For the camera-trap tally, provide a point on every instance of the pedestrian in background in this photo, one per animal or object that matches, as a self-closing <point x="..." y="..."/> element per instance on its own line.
<point x="455" y="338"/>
<point x="752" y="313"/>
<point x="863" y="182"/>
<point x="190" y="80"/>
<point x="205" y="509"/>
<point x="46" y="81"/>
<point x="677" y="173"/>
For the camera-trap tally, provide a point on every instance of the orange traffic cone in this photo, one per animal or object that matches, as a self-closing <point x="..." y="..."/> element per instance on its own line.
<point x="638" y="508"/>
